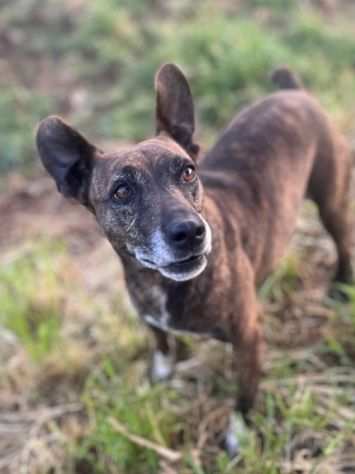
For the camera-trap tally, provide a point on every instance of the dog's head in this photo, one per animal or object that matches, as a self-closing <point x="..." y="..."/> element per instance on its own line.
<point x="147" y="198"/>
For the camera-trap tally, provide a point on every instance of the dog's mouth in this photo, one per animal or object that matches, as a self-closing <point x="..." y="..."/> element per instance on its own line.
<point x="186" y="269"/>
<point x="181" y="270"/>
<point x="179" y="265"/>
<point x="185" y="264"/>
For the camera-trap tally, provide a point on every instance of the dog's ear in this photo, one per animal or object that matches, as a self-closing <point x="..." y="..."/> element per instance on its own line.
<point x="284" y="78"/>
<point x="67" y="156"/>
<point x="174" y="107"/>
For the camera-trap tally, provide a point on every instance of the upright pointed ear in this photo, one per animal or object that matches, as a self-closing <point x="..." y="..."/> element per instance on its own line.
<point x="67" y="156"/>
<point x="174" y="107"/>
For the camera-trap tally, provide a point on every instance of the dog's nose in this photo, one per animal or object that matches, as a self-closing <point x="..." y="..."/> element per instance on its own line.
<point x="186" y="232"/>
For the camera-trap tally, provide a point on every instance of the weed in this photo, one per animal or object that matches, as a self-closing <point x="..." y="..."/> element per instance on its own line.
<point x="30" y="299"/>
<point x="283" y="281"/>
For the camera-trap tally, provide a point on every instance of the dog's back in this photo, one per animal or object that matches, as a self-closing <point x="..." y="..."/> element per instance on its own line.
<point x="271" y="155"/>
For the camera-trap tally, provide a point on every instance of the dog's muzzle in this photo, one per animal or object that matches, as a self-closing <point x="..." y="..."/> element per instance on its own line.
<point x="180" y="253"/>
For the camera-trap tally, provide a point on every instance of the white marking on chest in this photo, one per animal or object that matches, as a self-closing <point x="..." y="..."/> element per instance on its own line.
<point x="162" y="366"/>
<point x="163" y="318"/>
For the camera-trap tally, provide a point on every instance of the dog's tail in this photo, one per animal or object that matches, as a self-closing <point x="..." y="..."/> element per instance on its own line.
<point x="284" y="78"/>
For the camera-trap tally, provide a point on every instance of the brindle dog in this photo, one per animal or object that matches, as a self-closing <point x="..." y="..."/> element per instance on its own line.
<point x="197" y="234"/>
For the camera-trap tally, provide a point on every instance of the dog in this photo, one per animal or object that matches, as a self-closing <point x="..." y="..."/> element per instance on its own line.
<point x="198" y="233"/>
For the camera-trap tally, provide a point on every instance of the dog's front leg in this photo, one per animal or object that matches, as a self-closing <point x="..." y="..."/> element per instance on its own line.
<point x="246" y="340"/>
<point x="162" y="362"/>
<point x="247" y="361"/>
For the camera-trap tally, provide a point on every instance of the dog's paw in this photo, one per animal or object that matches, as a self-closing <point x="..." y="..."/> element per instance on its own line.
<point x="340" y="289"/>
<point x="236" y="436"/>
<point x="162" y="367"/>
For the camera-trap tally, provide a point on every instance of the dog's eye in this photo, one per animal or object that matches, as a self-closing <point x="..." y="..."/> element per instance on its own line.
<point x="122" y="193"/>
<point x="189" y="174"/>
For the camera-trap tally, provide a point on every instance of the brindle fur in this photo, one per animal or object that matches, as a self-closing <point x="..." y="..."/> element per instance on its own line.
<point x="254" y="179"/>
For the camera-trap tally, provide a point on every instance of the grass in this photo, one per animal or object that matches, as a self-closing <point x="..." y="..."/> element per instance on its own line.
<point x="283" y="281"/>
<point x="85" y="374"/>
<point x="141" y="412"/>
<point x="96" y="63"/>
<point x="74" y="358"/>
<point x="30" y="296"/>
<point x="20" y="110"/>
<point x="304" y="419"/>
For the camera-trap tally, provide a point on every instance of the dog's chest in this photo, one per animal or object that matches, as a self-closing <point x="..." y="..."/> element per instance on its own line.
<point x="155" y="312"/>
<point x="150" y="303"/>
